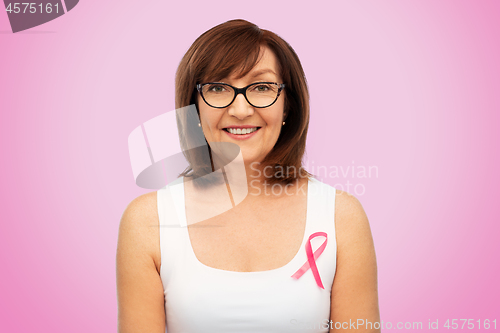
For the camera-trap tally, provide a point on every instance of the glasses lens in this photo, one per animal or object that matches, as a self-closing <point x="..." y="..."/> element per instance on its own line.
<point x="262" y="94"/>
<point x="218" y="95"/>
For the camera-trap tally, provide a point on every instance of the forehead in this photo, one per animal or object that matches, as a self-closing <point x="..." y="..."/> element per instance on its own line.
<point x="267" y="66"/>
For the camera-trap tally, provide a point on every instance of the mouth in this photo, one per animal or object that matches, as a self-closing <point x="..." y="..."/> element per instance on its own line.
<point x="241" y="131"/>
<point x="238" y="133"/>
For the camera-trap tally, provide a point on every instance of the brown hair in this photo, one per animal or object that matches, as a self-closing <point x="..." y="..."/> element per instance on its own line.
<point x="235" y="46"/>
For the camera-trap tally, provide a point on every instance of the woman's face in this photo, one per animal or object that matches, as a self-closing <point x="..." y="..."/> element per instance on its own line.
<point x="217" y="123"/>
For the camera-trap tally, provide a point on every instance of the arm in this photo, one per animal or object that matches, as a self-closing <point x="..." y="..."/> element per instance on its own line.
<point x="354" y="291"/>
<point x="139" y="287"/>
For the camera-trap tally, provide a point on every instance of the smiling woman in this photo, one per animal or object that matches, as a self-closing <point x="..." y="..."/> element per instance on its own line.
<point x="273" y="85"/>
<point x="293" y="251"/>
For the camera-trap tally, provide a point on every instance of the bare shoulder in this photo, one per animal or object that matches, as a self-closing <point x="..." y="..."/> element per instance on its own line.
<point x="354" y="291"/>
<point x="143" y="206"/>
<point x="351" y="222"/>
<point x="139" y="226"/>
<point x="352" y="228"/>
<point x="139" y="287"/>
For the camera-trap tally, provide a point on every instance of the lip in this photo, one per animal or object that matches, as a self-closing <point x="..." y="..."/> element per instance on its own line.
<point x="241" y="126"/>
<point x="242" y="136"/>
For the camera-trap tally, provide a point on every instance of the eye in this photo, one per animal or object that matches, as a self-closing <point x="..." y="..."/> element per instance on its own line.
<point x="262" y="88"/>
<point x="216" y="88"/>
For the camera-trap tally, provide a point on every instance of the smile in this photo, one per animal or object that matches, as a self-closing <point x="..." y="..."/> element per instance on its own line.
<point x="241" y="131"/>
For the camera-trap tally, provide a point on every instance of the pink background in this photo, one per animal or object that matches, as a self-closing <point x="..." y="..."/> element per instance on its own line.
<point x="411" y="87"/>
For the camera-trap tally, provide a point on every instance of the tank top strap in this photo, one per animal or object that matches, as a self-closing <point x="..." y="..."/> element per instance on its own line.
<point x="322" y="207"/>
<point x="321" y="218"/>
<point x="170" y="200"/>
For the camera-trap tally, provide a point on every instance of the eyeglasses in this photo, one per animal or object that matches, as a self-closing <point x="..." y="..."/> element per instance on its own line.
<point x="221" y="95"/>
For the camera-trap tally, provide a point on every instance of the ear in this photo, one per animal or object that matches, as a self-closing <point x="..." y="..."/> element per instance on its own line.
<point x="285" y="115"/>
<point x="285" y="109"/>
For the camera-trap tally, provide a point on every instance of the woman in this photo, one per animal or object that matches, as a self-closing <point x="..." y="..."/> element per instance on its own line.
<point x="293" y="255"/>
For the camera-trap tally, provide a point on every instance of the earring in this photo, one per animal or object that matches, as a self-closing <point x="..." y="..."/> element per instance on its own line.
<point x="199" y="124"/>
<point x="283" y="123"/>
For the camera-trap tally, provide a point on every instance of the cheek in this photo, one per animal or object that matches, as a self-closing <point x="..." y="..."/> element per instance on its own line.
<point x="210" y="124"/>
<point x="204" y="113"/>
<point x="274" y="118"/>
<point x="205" y="116"/>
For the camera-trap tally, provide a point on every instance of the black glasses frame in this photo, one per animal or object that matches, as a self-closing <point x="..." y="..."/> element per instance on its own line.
<point x="238" y="91"/>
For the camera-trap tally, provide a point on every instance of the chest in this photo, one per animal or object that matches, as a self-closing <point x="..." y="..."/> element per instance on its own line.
<point x="254" y="236"/>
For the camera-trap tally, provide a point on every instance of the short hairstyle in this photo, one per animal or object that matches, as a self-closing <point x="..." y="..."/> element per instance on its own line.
<point x="235" y="47"/>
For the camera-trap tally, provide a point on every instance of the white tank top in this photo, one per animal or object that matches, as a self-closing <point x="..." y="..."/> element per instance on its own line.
<point x="199" y="298"/>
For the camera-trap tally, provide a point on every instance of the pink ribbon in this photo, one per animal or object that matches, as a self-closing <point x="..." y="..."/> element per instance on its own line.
<point x="311" y="259"/>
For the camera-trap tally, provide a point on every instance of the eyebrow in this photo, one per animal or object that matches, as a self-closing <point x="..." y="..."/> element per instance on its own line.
<point x="264" y="71"/>
<point x="255" y="74"/>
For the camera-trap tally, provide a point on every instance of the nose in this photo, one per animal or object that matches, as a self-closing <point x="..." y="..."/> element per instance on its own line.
<point x="240" y="108"/>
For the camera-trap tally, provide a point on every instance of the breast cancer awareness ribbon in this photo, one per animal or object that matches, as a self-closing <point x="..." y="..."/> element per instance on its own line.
<point x="311" y="259"/>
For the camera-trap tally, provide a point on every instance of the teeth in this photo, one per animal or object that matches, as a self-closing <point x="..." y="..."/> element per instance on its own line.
<point x="241" y="130"/>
